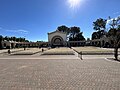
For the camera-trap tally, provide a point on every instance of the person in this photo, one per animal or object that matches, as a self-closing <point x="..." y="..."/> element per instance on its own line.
<point x="42" y="49"/>
<point x="9" y="52"/>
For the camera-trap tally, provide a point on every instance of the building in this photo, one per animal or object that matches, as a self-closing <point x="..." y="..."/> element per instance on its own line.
<point x="14" y="44"/>
<point x="8" y="44"/>
<point x="57" y="38"/>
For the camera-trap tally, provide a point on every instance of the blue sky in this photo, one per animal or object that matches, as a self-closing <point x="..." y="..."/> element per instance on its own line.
<point x="33" y="19"/>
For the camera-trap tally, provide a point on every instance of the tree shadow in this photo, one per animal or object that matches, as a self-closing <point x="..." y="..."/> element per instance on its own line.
<point x="113" y="59"/>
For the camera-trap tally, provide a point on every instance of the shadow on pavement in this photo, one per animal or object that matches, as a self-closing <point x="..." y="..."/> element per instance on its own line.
<point x="112" y="59"/>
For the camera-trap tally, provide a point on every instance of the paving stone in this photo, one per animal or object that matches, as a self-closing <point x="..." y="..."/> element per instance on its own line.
<point x="61" y="74"/>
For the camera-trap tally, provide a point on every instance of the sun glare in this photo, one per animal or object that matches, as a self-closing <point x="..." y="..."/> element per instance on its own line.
<point x="73" y="4"/>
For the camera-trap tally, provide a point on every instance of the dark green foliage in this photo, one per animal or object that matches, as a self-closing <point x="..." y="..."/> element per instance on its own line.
<point x="73" y="33"/>
<point x="118" y="27"/>
<point x="98" y="34"/>
<point x="78" y="37"/>
<point x="1" y="39"/>
<point x="95" y="35"/>
<point x="7" y="38"/>
<point x="63" y="28"/>
<point x="114" y="35"/>
<point x="99" y="25"/>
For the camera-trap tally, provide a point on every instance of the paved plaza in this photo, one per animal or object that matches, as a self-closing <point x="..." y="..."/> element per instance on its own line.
<point x="58" y="73"/>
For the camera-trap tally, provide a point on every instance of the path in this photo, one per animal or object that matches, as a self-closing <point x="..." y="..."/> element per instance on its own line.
<point x="59" y="74"/>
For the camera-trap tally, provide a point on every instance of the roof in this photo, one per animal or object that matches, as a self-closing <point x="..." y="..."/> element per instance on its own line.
<point x="57" y="32"/>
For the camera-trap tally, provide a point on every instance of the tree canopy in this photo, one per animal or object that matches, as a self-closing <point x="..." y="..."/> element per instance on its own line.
<point x="99" y="25"/>
<point x="63" y="28"/>
<point x="73" y="33"/>
<point x="114" y="34"/>
<point x="20" y="39"/>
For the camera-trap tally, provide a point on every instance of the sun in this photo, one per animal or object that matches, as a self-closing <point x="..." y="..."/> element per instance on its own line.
<point x="73" y="4"/>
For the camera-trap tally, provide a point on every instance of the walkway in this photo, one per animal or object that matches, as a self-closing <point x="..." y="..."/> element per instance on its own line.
<point x="58" y="73"/>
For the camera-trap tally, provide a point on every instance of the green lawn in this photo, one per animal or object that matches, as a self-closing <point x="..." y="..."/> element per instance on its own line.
<point x="93" y="50"/>
<point x="59" y="51"/>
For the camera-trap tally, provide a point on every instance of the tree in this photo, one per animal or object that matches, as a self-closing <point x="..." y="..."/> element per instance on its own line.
<point x="26" y="40"/>
<point x="75" y="34"/>
<point x="7" y="38"/>
<point x="63" y="28"/>
<point x="74" y="31"/>
<point x="22" y="39"/>
<point x="1" y="39"/>
<point x="114" y="35"/>
<point x="14" y="38"/>
<point x="78" y="37"/>
<point x="94" y="35"/>
<point x="99" y="25"/>
<point x="17" y="39"/>
<point x="118" y="26"/>
<point x="11" y="38"/>
<point x="98" y="34"/>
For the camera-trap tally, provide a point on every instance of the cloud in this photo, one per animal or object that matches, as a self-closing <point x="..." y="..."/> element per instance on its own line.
<point x="21" y="31"/>
<point x="116" y="13"/>
<point x="18" y="31"/>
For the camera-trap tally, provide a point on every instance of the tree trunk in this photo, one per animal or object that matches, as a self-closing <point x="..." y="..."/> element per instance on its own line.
<point x="0" y="44"/>
<point x="116" y="53"/>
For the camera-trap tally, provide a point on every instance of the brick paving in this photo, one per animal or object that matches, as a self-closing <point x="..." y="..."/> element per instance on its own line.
<point x="59" y="74"/>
